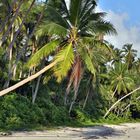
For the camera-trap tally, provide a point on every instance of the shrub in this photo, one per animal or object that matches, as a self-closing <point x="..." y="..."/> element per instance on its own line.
<point x="17" y="112"/>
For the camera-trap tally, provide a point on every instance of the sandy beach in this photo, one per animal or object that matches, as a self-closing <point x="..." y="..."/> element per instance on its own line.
<point x="129" y="131"/>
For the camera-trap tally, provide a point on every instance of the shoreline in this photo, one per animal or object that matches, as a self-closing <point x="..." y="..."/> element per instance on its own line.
<point x="126" y="131"/>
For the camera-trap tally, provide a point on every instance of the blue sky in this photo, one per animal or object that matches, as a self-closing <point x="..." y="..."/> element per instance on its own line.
<point x="131" y="7"/>
<point x="125" y="16"/>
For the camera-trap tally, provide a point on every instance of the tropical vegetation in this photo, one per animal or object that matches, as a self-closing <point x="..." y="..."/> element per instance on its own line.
<point x="56" y="68"/>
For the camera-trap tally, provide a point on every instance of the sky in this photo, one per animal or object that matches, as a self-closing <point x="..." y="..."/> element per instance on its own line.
<point x="125" y="16"/>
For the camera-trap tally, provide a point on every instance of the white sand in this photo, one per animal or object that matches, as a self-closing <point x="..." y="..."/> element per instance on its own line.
<point x="110" y="132"/>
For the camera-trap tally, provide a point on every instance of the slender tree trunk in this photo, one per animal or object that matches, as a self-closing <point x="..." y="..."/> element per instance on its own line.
<point x="10" y="53"/>
<point x="7" y="18"/>
<point x="14" y="72"/>
<point x="110" y="109"/>
<point x="85" y="102"/>
<point x="114" y="92"/>
<point x="13" y="19"/>
<point x="20" y="26"/>
<point x="73" y="102"/>
<point x="20" y="74"/>
<point x="19" y="84"/>
<point x="88" y="92"/>
<point x="9" y="69"/>
<point x="36" y="89"/>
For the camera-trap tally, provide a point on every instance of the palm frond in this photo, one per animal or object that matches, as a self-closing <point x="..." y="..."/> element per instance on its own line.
<point x="102" y="27"/>
<point x="65" y="60"/>
<point x="87" y="60"/>
<point x="51" y="28"/>
<point x="54" y="16"/>
<point x="42" y="53"/>
<point x="75" y="9"/>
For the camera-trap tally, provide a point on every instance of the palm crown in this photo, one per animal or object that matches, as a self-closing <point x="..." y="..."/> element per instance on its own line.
<point x="75" y="30"/>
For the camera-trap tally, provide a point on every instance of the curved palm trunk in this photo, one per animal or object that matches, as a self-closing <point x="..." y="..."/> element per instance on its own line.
<point x="110" y="109"/>
<point x="30" y="78"/>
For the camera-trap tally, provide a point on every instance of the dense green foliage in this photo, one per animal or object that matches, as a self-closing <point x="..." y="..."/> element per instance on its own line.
<point x="89" y="74"/>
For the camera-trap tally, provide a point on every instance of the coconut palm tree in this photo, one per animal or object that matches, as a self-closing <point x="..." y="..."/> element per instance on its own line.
<point x="121" y="80"/>
<point x="70" y="26"/>
<point x="118" y="56"/>
<point x="130" y="55"/>
<point x="8" y="29"/>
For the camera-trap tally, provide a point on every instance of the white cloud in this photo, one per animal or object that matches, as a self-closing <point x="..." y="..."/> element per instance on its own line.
<point x="126" y="34"/>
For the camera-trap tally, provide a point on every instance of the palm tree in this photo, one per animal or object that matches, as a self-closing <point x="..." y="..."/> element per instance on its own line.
<point x="137" y="65"/>
<point x="118" y="56"/>
<point x="130" y="55"/>
<point x="8" y="28"/>
<point x="69" y="27"/>
<point x="121" y="80"/>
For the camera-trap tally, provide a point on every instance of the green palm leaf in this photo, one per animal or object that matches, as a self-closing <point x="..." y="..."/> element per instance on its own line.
<point x="51" y="28"/>
<point x="87" y="60"/>
<point x="103" y="27"/>
<point x="54" y="16"/>
<point x="65" y="60"/>
<point x="43" y="52"/>
<point x="75" y="9"/>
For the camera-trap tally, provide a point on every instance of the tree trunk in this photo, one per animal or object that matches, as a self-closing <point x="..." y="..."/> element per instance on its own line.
<point x="85" y="102"/>
<point x="13" y="19"/>
<point x="114" y="92"/>
<point x="88" y="92"/>
<point x="73" y="102"/>
<point x="20" y="74"/>
<point x="10" y="53"/>
<point x="36" y="89"/>
<point x="7" y="18"/>
<point x="32" y="77"/>
<point x="120" y="100"/>
<point x="14" y="72"/>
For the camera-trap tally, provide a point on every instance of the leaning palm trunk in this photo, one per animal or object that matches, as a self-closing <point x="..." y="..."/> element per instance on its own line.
<point x="30" y="78"/>
<point x="110" y="109"/>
